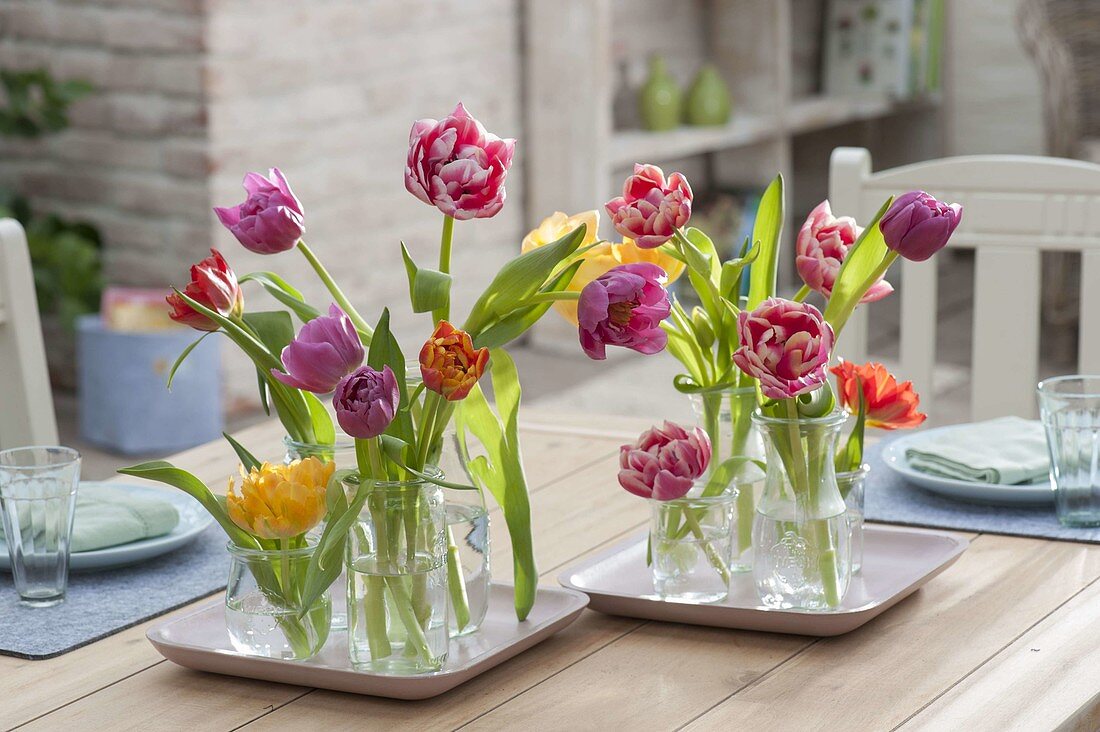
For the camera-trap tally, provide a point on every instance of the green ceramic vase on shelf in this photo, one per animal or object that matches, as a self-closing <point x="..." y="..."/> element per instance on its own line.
<point x="659" y="101"/>
<point x="708" y="99"/>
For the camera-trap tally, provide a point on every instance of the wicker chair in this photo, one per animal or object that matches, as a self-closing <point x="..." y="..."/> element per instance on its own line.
<point x="1063" y="38"/>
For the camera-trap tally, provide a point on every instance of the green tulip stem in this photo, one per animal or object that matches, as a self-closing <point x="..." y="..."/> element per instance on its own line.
<point x="802" y="293"/>
<point x="445" y="239"/>
<point x="364" y="329"/>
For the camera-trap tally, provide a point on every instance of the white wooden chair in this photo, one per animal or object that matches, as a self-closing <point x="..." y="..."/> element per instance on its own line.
<point x="1014" y="207"/>
<point x="26" y="403"/>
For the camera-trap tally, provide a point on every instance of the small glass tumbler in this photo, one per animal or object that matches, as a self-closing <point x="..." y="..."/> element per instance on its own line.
<point x="37" y="499"/>
<point x="852" y="484"/>
<point x="691" y="542"/>
<point x="1070" y="409"/>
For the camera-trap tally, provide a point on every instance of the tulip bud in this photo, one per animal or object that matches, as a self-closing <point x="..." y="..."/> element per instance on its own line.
<point x="917" y="225"/>
<point x="700" y="321"/>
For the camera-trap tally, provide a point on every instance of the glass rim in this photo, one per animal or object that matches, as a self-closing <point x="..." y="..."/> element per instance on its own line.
<point x="1048" y="387"/>
<point x="837" y="416"/>
<point x="339" y="444"/>
<point x="431" y="470"/>
<point x="73" y="457"/>
<point x="862" y="471"/>
<point x="732" y="390"/>
<point x="248" y="553"/>
<point x="729" y="494"/>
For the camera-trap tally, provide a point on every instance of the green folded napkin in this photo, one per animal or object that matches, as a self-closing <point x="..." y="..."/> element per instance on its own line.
<point x="1008" y="451"/>
<point x="108" y="516"/>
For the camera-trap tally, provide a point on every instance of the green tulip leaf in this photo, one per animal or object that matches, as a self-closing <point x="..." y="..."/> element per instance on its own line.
<point x="862" y="260"/>
<point x="429" y="289"/>
<point x="767" y="231"/>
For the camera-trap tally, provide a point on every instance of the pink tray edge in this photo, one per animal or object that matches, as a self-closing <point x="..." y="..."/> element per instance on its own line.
<point x="757" y="618"/>
<point x="425" y="686"/>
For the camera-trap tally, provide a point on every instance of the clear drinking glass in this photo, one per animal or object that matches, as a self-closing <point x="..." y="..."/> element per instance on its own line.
<point x="37" y="499"/>
<point x="397" y="571"/>
<point x="264" y="612"/>
<point x="1070" y="409"/>
<point x="852" y="485"/>
<point x="691" y="542"/>
<point x="726" y="415"/>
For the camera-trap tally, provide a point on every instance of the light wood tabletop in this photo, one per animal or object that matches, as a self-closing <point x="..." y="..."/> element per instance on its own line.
<point x="1007" y="638"/>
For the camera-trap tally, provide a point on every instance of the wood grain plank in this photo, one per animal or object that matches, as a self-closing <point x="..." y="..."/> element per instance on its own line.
<point x="35" y="688"/>
<point x="1044" y="680"/>
<point x="879" y="675"/>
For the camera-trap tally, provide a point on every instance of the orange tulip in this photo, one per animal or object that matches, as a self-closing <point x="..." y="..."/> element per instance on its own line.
<point x="890" y="405"/>
<point x="280" y="501"/>
<point x="449" y="363"/>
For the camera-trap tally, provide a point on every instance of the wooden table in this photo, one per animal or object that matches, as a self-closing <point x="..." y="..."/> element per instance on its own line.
<point x="1007" y="638"/>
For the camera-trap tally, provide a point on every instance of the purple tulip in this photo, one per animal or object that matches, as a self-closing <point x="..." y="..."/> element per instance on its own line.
<point x="326" y="350"/>
<point x="624" y="307"/>
<point x="270" y="220"/>
<point x="366" y="401"/>
<point x="917" y="225"/>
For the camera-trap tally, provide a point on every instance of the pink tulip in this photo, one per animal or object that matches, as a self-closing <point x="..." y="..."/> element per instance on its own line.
<point x="458" y="167"/>
<point x="270" y="220"/>
<point x="917" y="225"/>
<point x="326" y="350"/>
<point x="650" y="208"/>
<point x="665" y="462"/>
<point x="823" y="243"/>
<point x="624" y="307"/>
<point x="366" y="401"/>
<point x="785" y="345"/>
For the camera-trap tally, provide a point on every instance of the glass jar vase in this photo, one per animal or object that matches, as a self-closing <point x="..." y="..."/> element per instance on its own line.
<point x="802" y="553"/>
<point x="851" y="485"/>
<point x="726" y="416"/>
<point x="397" y="579"/>
<point x="263" y="606"/>
<point x="690" y="542"/>
<point x="467" y="560"/>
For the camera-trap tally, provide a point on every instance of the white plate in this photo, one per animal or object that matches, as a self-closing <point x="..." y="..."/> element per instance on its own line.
<point x="193" y="521"/>
<point x="976" y="492"/>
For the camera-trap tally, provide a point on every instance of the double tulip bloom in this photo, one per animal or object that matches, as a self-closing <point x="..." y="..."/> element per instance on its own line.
<point x="889" y="405"/>
<point x="917" y="225"/>
<point x="823" y="243"/>
<point x="624" y="307"/>
<point x="366" y="401"/>
<point x="597" y="257"/>
<point x="458" y="167"/>
<point x="214" y="285"/>
<point x="270" y="220"/>
<point x="449" y="363"/>
<point x="651" y="208"/>
<point x="665" y="462"/>
<point x="325" y="350"/>
<point x="280" y="501"/>
<point x="785" y="345"/>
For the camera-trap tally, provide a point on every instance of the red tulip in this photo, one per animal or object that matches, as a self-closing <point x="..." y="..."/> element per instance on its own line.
<point x="212" y="284"/>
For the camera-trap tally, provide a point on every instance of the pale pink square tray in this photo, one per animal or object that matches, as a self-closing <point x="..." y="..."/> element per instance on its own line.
<point x="897" y="561"/>
<point x="199" y="641"/>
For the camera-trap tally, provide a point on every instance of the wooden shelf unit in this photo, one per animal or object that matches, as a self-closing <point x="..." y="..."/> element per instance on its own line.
<point x="577" y="160"/>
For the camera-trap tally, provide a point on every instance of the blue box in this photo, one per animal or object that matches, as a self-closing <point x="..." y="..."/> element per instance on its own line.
<point x="125" y="405"/>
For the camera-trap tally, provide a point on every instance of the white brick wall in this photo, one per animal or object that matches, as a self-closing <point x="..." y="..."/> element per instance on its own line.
<point x="191" y="94"/>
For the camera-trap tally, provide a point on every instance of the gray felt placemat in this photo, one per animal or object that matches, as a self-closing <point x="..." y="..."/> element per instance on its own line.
<point x="99" y="604"/>
<point x="891" y="499"/>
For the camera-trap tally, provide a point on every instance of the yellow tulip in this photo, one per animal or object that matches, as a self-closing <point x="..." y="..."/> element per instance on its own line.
<point x="598" y="259"/>
<point x="280" y="501"/>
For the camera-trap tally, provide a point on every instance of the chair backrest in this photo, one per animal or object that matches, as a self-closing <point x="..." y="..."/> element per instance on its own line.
<point x="26" y="403"/>
<point x="1014" y="207"/>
